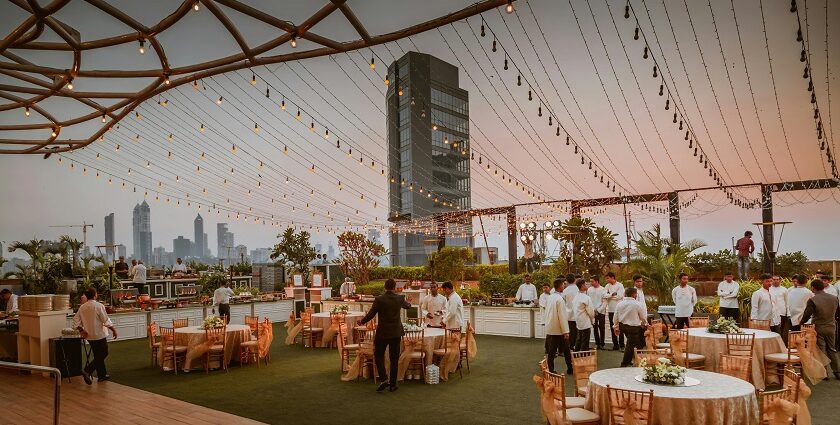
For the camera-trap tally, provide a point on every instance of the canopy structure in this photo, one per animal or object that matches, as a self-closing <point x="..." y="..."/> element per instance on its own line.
<point x="36" y="83"/>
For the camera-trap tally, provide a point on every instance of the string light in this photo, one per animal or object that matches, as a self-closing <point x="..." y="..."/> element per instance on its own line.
<point x="293" y="42"/>
<point x="509" y="7"/>
<point x="26" y="112"/>
<point x="142" y="49"/>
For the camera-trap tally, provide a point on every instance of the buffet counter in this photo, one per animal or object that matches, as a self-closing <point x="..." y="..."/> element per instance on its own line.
<point x="132" y="324"/>
<point x="504" y="321"/>
<point x="168" y="288"/>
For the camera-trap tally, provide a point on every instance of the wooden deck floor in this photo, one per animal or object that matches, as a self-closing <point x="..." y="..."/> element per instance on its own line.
<point x="29" y="400"/>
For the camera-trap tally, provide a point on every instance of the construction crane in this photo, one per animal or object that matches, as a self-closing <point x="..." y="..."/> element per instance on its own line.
<point x="84" y="227"/>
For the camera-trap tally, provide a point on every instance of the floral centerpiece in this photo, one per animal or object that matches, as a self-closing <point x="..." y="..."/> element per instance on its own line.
<point x="341" y="308"/>
<point x="408" y="327"/>
<point x="724" y="326"/>
<point x="211" y="322"/>
<point x="662" y="372"/>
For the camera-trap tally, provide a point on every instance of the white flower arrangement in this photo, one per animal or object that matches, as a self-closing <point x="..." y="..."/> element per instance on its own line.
<point x="341" y="308"/>
<point x="724" y="326"/>
<point x="663" y="372"/>
<point x="211" y="322"/>
<point x="408" y="327"/>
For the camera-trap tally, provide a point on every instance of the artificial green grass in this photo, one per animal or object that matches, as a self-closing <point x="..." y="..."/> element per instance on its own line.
<point x="302" y="386"/>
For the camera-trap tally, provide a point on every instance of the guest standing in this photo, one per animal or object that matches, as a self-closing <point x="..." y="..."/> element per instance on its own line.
<point x="761" y="303"/>
<point x="389" y="332"/>
<point x="139" y="277"/>
<point x="631" y="319"/>
<point x="596" y="294"/>
<point x="527" y="291"/>
<point x="557" y="328"/>
<point x="584" y="314"/>
<point x="685" y="298"/>
<point x="780" y="302"/>
<point x="221" y="298"/>
<point x="728" y="293"/>
<point x="91" y="320"/>
<point x="432" y="307"/>
<point x="823" y="308"/>
<point x="570" y="291"/>
<point x="453" y="317"/>
<point x="798" y="297"/>
<point x="613" y="293"/>
<point x="639" y="284"/>
<point x="745" y="247"/>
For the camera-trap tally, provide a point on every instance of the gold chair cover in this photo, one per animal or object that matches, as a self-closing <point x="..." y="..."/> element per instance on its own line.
<point x="549" y="392"/>
<point x="330" y="332"/>
<point x="355" y="369"/>
<point x="449" y="362"/>
<point x="677" y="348"/>
<point x="629" y="411"/>
<point x="292" y="329"/>
<point x="410" y="346"/>
<point x="266" y="338"/>
<point x="812" y="358"/>
<point x="780" y="411"/>
<point x="472" y="348"/>
<point x="204" y="347"/>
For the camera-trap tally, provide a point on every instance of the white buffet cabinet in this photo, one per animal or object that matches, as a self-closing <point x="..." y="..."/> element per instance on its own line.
<point x="134" y="324"/>
<point x="504" y="321"/>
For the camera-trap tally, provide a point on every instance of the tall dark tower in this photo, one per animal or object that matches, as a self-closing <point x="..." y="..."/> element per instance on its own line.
<point x="428" y="149"/>
<point x="198" y="226"/>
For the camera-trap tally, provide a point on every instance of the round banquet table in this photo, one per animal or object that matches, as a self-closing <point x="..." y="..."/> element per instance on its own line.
<point x="322" y="320"/>
<point x="700" y="341"/>
<point x="433" y="338"/>
<point x="193" y="336"/>
<point x="718" y="399"/>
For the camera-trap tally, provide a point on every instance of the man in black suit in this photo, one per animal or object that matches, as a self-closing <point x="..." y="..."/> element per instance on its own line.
<point x="389" y="332"/>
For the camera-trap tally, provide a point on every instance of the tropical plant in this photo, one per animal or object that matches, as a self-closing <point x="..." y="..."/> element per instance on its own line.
<point x="294" y="252"/>
<point x="197" y="266"/>
<point x="359" y="255"/>
<point x="587" y="248"/>
<point x="31" y="248"/>
<point x="660" y="260"/>
<point x="450" y="263"/>
<point x="74" y="245"/>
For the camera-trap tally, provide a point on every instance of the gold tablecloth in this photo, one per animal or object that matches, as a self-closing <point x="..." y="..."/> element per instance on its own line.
<point x="700" y="341"/>
<point x="322" y="320"/>
<point x="193" y="336"/>
<point x="717" y="400"/>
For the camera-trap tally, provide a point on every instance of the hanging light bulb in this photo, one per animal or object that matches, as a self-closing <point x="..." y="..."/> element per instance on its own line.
<point x="386" y="80"/>
<point x="201" y="128"/>
<point x="293" y="42"/>
<point x="195" y="6"/>
<point x="327" y="133"/>
<point x="219" y="101"/>
<point x="142" y="48"/>
<point x="645" y="55"/>
<point x="654" y="72"/>
<point x="103" y="117"/>
<point x="636" y="34"/>
<point x="166" y="79"/>
<point x="233" y="149"/>
<point x="627" y="11"/>
<point x="400" y="91"/>
<point x="253" y="79"/>
<point x="70" y="84"/>
<point x="372" y="63"/>
<point x="509" y="7"/>
<point x="283" y="104"/>
<point x="54" y="132"/>
<point x="26" y="112"/>
<point x="297" y="117"/>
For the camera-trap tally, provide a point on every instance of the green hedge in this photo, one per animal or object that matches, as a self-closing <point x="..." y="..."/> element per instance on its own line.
<point x="374" y="287"/>
<point x="508" y="284"/>
<point x="397" y="272"/>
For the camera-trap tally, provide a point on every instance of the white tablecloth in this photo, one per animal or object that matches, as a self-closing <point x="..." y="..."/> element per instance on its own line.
<point x="322" y="320"/>
<point x="193" y="336"/>
<point x="717" y="400"/>
<point x="700" y="341"/>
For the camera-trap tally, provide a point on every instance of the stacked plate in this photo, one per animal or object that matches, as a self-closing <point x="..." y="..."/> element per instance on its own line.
<point x="61" y="302"/>
<point x="25" y="302"/>
<point x="43" y="303"/>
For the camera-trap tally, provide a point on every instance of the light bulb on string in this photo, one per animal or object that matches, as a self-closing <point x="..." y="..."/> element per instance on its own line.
<point x="293" y="42"/>
<point x="219" y="101"/>
<point x="142" y="48"/>
<point x="253" y="79"/>
<point x="509" y="7"/>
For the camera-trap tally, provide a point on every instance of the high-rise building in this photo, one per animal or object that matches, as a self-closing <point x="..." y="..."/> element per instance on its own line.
<point x="109" y="237"/>
<point x="205" y="249"/>
<point x="240" y="254"/>
<point x="181" y="247"/>
<point x="330" y="252"/>
<point x="198" y="227"/>
<point x="224" y="243"/>
<point x="428" y="150"/>
<point x="261" y="255"/>
<point x="121" y="250"/>
<point x="142" y="231"/>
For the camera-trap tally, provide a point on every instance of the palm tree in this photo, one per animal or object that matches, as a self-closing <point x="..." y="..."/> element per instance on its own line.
<point x="31" y="248"/>
<point x="75" y="247"/>
<point x="660" y="260"/>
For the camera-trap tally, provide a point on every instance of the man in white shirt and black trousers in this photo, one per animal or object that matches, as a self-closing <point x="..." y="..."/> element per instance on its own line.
<point x="762" y="306"/>
<point x="596" y="294"/>
<point x="221" y="297"/>
<point x="685" y="297"/>
<point x="569" y="293"/>
<point x="780" y="301"/>
<point x="614" y="292"/>
<point x="728" y="293"/>
<point x="557" y="328"/>
<point x="584" y="314"/>
<point x="91" y="320"/>
<point x="631" y="320"/>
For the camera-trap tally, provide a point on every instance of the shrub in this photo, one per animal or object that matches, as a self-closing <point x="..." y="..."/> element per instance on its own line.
<point x="374" y="287"/>
<point x="396" y="272"/>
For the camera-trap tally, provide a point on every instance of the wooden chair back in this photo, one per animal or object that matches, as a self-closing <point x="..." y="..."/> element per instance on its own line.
<point x="584" y="363"/>
<point x="763" y="325"/>
<point x="252" y="322"/>
<point x="167" y="336"/>
<point x="543" y="364"/>
<point x="153" y="332"/>
<point x="807" y="326"/>
<point x="306" y="318"/>
<point x="766" y="398"/>
<point x="740" y="344"/>
<point x="698" y="322"/>
<point x="414" y="336"/>
<point x="414" y="321"/>
<point x="659" y="329"/>
<point x="639" y="402"/>
<point x="791" y="379"/>
<point x="736" y="366"/>
<point x="652" y="356"/>
<point x="450" y="334"/>
<point x="180" y="323"/>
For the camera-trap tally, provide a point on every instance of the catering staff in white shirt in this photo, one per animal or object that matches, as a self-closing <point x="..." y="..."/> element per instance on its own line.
<point x="596" y="294"/>
<point x="557" y="328"/>
<point x="685" y="297"/>
<point x="221" y="297"/>
<point x="639" y="284"/>
<point x="546" y="292"/>
<point x="139" y="278"/>
<point x="453" y="317"/>
<point x="10" y="299"/>
<point x="798" y="297"/>
<point x="179" y="266"/>
<point x="432" y="307"/>
<point x="347" y="289"/>
<point x="614" y="292"/>
<point x="631" y="319"/>
<point x="527" y="291"/>
<point x="780" y="301"/>
<point x="727" y="291"/>
<point x="569" y="293"/>
<point x="584" y="314"/>
<point x="762" y="304"/>
<point x="91" y="320"/>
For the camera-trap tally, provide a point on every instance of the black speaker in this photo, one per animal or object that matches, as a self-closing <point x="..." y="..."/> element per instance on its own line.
<point x="66" y="356"/>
